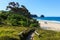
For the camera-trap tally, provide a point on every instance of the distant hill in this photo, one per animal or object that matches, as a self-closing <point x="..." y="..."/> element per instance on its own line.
<point x="34" y="16"/>
<point x="42" y="16"/>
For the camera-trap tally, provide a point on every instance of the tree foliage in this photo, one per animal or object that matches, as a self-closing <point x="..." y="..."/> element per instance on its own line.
<point x="17" y="16"/>
<point x="14" y="7"/>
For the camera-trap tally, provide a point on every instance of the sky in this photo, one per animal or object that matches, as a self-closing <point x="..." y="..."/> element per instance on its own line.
<point x="46" y="7"/>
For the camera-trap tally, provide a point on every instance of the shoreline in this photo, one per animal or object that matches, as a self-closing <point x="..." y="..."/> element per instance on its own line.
<point x="50" y="25"/>
<point x="50" y="21"/>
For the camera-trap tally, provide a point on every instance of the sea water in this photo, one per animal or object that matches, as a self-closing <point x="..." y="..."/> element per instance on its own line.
<point x="51" y="19"/>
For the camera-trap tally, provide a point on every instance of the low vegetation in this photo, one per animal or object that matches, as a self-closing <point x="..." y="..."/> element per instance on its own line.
<point x="47" y="35"/>
<point x="10" y="32"/>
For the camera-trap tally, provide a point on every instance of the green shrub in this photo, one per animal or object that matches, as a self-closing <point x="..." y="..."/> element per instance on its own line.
<point x="33" y="25"/>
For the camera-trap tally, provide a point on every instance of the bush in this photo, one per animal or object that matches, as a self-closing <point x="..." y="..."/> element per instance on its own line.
<point x="23" y="23"/>
<point x="33" y="25"/>
<point x="17" y="19"/>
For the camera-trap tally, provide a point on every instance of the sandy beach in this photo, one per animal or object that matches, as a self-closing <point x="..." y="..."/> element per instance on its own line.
<point x="49" y="25"/>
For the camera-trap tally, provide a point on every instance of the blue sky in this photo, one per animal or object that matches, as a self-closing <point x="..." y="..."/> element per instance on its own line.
<point x="38" y="7"/>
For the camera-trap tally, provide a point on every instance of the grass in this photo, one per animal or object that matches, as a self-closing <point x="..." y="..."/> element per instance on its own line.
<point x="47" y="35"/>
<point x="11" y="32"/>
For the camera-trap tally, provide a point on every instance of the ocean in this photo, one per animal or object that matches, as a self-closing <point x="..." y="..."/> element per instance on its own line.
<point x="52" y="19"/>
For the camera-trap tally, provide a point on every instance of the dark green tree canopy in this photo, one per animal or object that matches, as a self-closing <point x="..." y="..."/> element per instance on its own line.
<point x="14" y="7"/>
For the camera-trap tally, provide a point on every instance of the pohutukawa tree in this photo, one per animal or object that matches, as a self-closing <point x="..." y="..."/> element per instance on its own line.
<point x="15" y="7"/>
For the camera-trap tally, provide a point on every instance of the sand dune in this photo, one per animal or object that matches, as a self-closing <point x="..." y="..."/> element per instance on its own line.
<point x="48" y="25"/>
